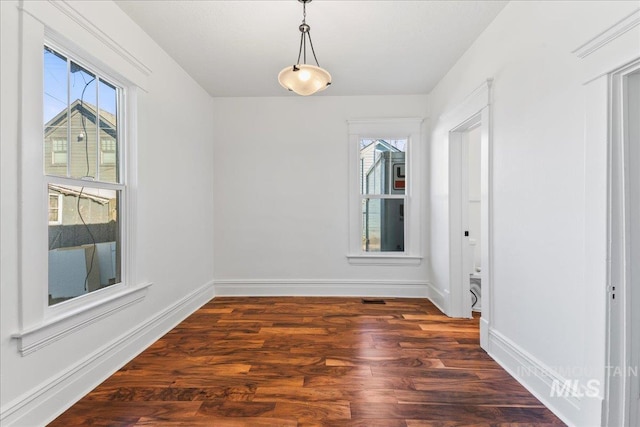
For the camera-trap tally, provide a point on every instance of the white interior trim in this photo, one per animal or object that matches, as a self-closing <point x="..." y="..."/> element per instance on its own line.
<point x="51" y="330"/>
<point x="471" y="112"/>
<point x="77" y="16"/>
<point x="387" y="128"/>
<point x="621" y="391"/>
<point x="567" y="398"/>
<point x="384" y="259"/>
<point x="607" y="36"/>
<point x="53" y="396"/>
<point x="323" y="288"/>
<point x="66" y="19"/>
<point x="439" y="298"/>
<point x="41" y="324"/>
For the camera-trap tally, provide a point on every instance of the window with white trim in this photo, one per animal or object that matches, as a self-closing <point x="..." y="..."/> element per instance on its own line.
<point x="81" y="105"/>
<point x="55" y="208"/>
<point x="384" y="209"/>
<point x="104" y="194"/>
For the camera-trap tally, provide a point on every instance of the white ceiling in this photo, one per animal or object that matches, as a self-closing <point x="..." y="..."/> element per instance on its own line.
<point x="237" y="48"/>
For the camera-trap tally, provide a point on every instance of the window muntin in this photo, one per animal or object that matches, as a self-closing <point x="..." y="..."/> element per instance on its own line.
<point x="80" y="107"/>
<point x="383" y="196"/>
<point x="108" y="132"/>
<point x="81" y="111"/>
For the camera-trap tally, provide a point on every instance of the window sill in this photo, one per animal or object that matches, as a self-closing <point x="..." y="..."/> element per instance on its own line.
<point x="53" y="329"/>
<point x="384" y="259"/>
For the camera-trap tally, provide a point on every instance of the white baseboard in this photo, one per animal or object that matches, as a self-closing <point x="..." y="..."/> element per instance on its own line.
<point x="322" y="288"/>
<point x="44" y="403"/>
<point x="575" y="408"/>
<point x="439" y="298"/>
<point x="484" y="333"/>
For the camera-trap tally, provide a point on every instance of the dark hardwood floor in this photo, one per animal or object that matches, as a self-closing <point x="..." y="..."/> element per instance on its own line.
<point x="313" y="362"/>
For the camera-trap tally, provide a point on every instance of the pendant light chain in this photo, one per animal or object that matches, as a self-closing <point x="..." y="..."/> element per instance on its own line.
<point x="304" y="12"/>
<point x="305" y="30"/>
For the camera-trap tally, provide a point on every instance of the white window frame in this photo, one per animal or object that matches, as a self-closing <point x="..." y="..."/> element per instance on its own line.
<point x="120" y="186"/>
<point x="41" y="324"/>
<point x="387" y="129"/>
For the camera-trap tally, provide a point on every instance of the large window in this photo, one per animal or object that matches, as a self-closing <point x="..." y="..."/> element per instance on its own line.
<point x="385" y="166"/>
<point x="82" y="137"/>
<point x="77" y="175"/>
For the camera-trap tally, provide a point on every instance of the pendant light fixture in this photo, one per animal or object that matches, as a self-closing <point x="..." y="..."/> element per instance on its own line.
<point x="304" y="79"/>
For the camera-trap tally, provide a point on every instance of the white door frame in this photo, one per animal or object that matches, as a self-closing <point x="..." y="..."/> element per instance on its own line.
<point x="473" y="112"/>
<point x="619" y="389"/>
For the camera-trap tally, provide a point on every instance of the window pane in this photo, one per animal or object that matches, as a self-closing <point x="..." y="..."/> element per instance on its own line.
<point x="383" y="225"/>
<point x="55" y="113"/>
<point x="382" y="166"/>
<point x="108" y="96"/>
<point x="84" y="247"/>
<point x="82" y="122"/>
<point x="76" y="142"/>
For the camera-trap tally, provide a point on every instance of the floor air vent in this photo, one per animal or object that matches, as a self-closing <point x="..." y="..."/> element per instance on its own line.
<point x="373" y="301"/>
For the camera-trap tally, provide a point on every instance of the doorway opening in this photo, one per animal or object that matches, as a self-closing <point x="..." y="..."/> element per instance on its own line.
<point x="469" y="217"/>
<point x="472" y="214"/>
<point x="623" y="316"/>
<point x="470" y="239"/>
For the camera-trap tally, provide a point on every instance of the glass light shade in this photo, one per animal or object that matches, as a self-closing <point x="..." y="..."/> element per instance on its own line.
<point x="304" y="79"/>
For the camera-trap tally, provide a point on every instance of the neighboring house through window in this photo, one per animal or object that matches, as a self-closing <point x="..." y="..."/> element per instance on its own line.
<point x="382" y="194"/>
<point x="385" y="157"/>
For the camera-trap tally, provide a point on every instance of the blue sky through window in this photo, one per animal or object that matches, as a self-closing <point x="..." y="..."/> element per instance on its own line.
<point x="56" y="84"/>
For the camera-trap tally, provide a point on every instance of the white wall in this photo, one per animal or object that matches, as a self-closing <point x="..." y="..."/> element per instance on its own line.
<point x="174" y="233"/>
<point x="281" y="197"/>
<point x="544" y="316"/>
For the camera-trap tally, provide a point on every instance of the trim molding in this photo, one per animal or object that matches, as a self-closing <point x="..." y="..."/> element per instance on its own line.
<point x="438" y="297"/>
<point x="574" y="406"/>
<point x="607" y="36"/>
<point x="52" y="330"/>
<point x="324" y="288"/>
<point x="70" y="11"/>
<point x="52" y="397"/>
<point x="367" y="259"/>
<point x="466" y="109"/>
<point x="484" y="332"/>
